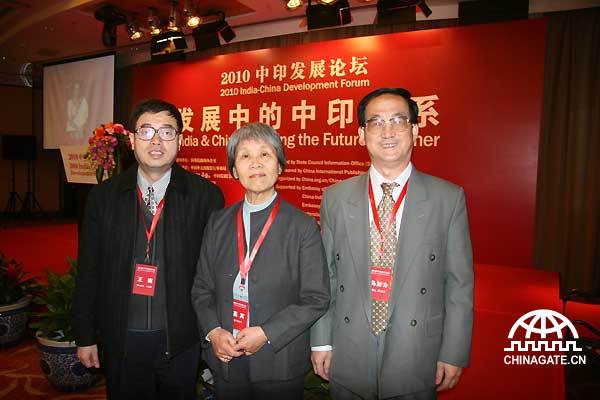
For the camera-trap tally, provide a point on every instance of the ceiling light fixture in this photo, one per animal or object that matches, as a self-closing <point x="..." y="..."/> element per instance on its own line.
<point x="325" y="16"/>
<point x="111" y="16"/>
<point x="153" y="21"/>
<point x="190" y="14"/>
<point x="173" y="20"/>
<point x="133" y="29"/>
<point x="400" y="11"/>
<point x="293" y="4"/>
<point x="206" y="35"/>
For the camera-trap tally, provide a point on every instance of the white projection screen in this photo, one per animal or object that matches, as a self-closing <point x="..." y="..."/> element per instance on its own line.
<point x="78" y="97"/>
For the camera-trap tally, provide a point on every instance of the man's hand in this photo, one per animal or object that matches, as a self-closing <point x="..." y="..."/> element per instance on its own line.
<point x="222" y="342"/>
<point x="250" y="340"/>
<point x="88" y="355"/>
<point x="446" y="376"/>
<point x="321" y="360"/>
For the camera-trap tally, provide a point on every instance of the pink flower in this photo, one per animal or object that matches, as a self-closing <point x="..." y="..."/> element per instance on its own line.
<point x="118" y="128"/>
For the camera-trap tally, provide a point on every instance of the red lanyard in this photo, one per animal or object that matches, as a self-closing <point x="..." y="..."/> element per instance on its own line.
<point x="155" y="218"/>
<point x="394" y="210"/>
<point x="246" y="264"/>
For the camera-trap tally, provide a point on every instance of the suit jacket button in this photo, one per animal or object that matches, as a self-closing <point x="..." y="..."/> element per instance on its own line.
<point x="413" y="322"/>
<point x="432" y="257"/>
<point x="423" y="290"/>
<point x="341" y="288"/>
<point x="337" y="257"/>
<point x="347" y="320"/>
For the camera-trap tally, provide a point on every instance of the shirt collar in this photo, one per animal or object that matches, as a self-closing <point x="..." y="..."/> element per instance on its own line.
<point x="250" y="208"/>
<point x="377" y="179"/>
<point x="160" y="186"/>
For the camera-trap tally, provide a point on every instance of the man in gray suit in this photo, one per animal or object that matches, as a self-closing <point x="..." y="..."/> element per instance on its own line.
<point x="400" y="265"/>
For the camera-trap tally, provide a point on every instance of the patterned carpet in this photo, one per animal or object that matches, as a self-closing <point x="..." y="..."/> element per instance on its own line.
<point x="21" y="377"/>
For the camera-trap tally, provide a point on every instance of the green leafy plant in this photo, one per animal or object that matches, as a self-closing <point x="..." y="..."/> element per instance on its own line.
<point x="55" y="323"/>
<point x="315" y="388"/>
<point x="14" y="283"/>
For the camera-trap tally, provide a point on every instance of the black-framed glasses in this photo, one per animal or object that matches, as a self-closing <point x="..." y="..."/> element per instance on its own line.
<point x="397" y="123"/>
<point x="166" y="133"/>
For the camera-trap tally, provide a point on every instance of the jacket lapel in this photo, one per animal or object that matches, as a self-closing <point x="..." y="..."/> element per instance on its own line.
<point x="356" y="217"/>
<point x="414" y="219"/>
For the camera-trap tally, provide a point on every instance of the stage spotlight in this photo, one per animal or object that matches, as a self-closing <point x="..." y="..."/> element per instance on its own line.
<point x="111" y="17"/>
<point x="424" y="8"/>
<point x="190" y="15"/>
<point x="293" y="4"/>
<point x="193" y="21"/>
<point x="168" y="46"/>
<point x="225" y="31"/>
<point x="400" y="11"/>
<point x="173" y="20"/>
<point x="325" y="16"/>
<point x="133" y="29"/>
<point x="206" y="36"/>
<point x="153" y="21"/>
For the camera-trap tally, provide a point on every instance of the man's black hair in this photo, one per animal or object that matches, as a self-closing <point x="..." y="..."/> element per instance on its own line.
<point x="413" y="109"/>
<point x="154" y="106"/>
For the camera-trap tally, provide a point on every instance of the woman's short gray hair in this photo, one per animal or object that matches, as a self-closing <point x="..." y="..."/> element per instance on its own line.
<point x="259" y="132"/>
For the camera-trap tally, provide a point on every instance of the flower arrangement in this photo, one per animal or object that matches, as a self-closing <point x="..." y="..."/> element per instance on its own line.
<point x="14" y="284"/>
<point x="107" y="145"/>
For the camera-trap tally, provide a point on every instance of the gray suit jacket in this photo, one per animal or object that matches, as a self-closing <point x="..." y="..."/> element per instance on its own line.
<point x="431" y="305"/>
<point x="288" y="289"/>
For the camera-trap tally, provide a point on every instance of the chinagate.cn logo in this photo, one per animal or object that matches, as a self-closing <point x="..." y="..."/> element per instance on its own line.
<point x="545" y="325"/>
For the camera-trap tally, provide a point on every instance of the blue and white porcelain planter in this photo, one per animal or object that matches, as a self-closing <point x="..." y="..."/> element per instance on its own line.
<point x="59" y="362"/>
<point x="13" y="321"/>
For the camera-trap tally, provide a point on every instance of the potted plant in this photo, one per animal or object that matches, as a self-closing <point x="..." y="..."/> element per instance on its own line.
<point x="16" y="290"/>
<point x="315" y="388"/>
<point x="58" y="352"/>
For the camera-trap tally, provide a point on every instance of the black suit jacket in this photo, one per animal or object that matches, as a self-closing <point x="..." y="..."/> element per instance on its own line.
<point x="105" y="256"/>
<point x="288" y="291"/>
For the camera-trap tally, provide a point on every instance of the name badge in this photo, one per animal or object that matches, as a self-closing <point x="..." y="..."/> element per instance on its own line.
<point x="240" y="314"/>
<point x="381" y="283"/>
<point x="144" y="279"/>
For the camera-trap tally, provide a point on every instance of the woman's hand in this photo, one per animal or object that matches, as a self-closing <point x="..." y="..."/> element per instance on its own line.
<point x="250" y="340"/>
<point x="222" y="342"/>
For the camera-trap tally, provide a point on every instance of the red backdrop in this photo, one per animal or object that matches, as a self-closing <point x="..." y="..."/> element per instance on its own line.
<point x="479" y="90"/>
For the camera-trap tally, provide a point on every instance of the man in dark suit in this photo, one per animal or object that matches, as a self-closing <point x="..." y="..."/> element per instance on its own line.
<point x="138" y="249"/>
<point x="400" y="265"/>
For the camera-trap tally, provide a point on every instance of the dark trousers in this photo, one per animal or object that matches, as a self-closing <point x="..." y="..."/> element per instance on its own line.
<point x="239" y="386"/>
<point x="146" y="373"/>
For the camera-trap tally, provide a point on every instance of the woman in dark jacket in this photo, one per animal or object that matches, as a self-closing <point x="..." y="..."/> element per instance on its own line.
<point x="261" y="280"/>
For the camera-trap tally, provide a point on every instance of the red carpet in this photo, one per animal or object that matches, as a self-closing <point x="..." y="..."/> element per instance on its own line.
<point x="502" y="295"/>
<point x="21" y="377"/>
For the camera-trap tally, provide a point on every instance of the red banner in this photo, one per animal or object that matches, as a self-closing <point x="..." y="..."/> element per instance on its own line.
<point x="479" y="92"/>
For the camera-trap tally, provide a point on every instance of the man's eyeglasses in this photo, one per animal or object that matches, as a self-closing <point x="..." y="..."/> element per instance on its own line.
<point x="398" y="123"/>
<point x="166" y="133"/>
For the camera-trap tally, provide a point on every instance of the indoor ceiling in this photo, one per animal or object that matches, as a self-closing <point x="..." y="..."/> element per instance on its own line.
<point x="38" y="30"/>
<point x="47" y="30"/>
